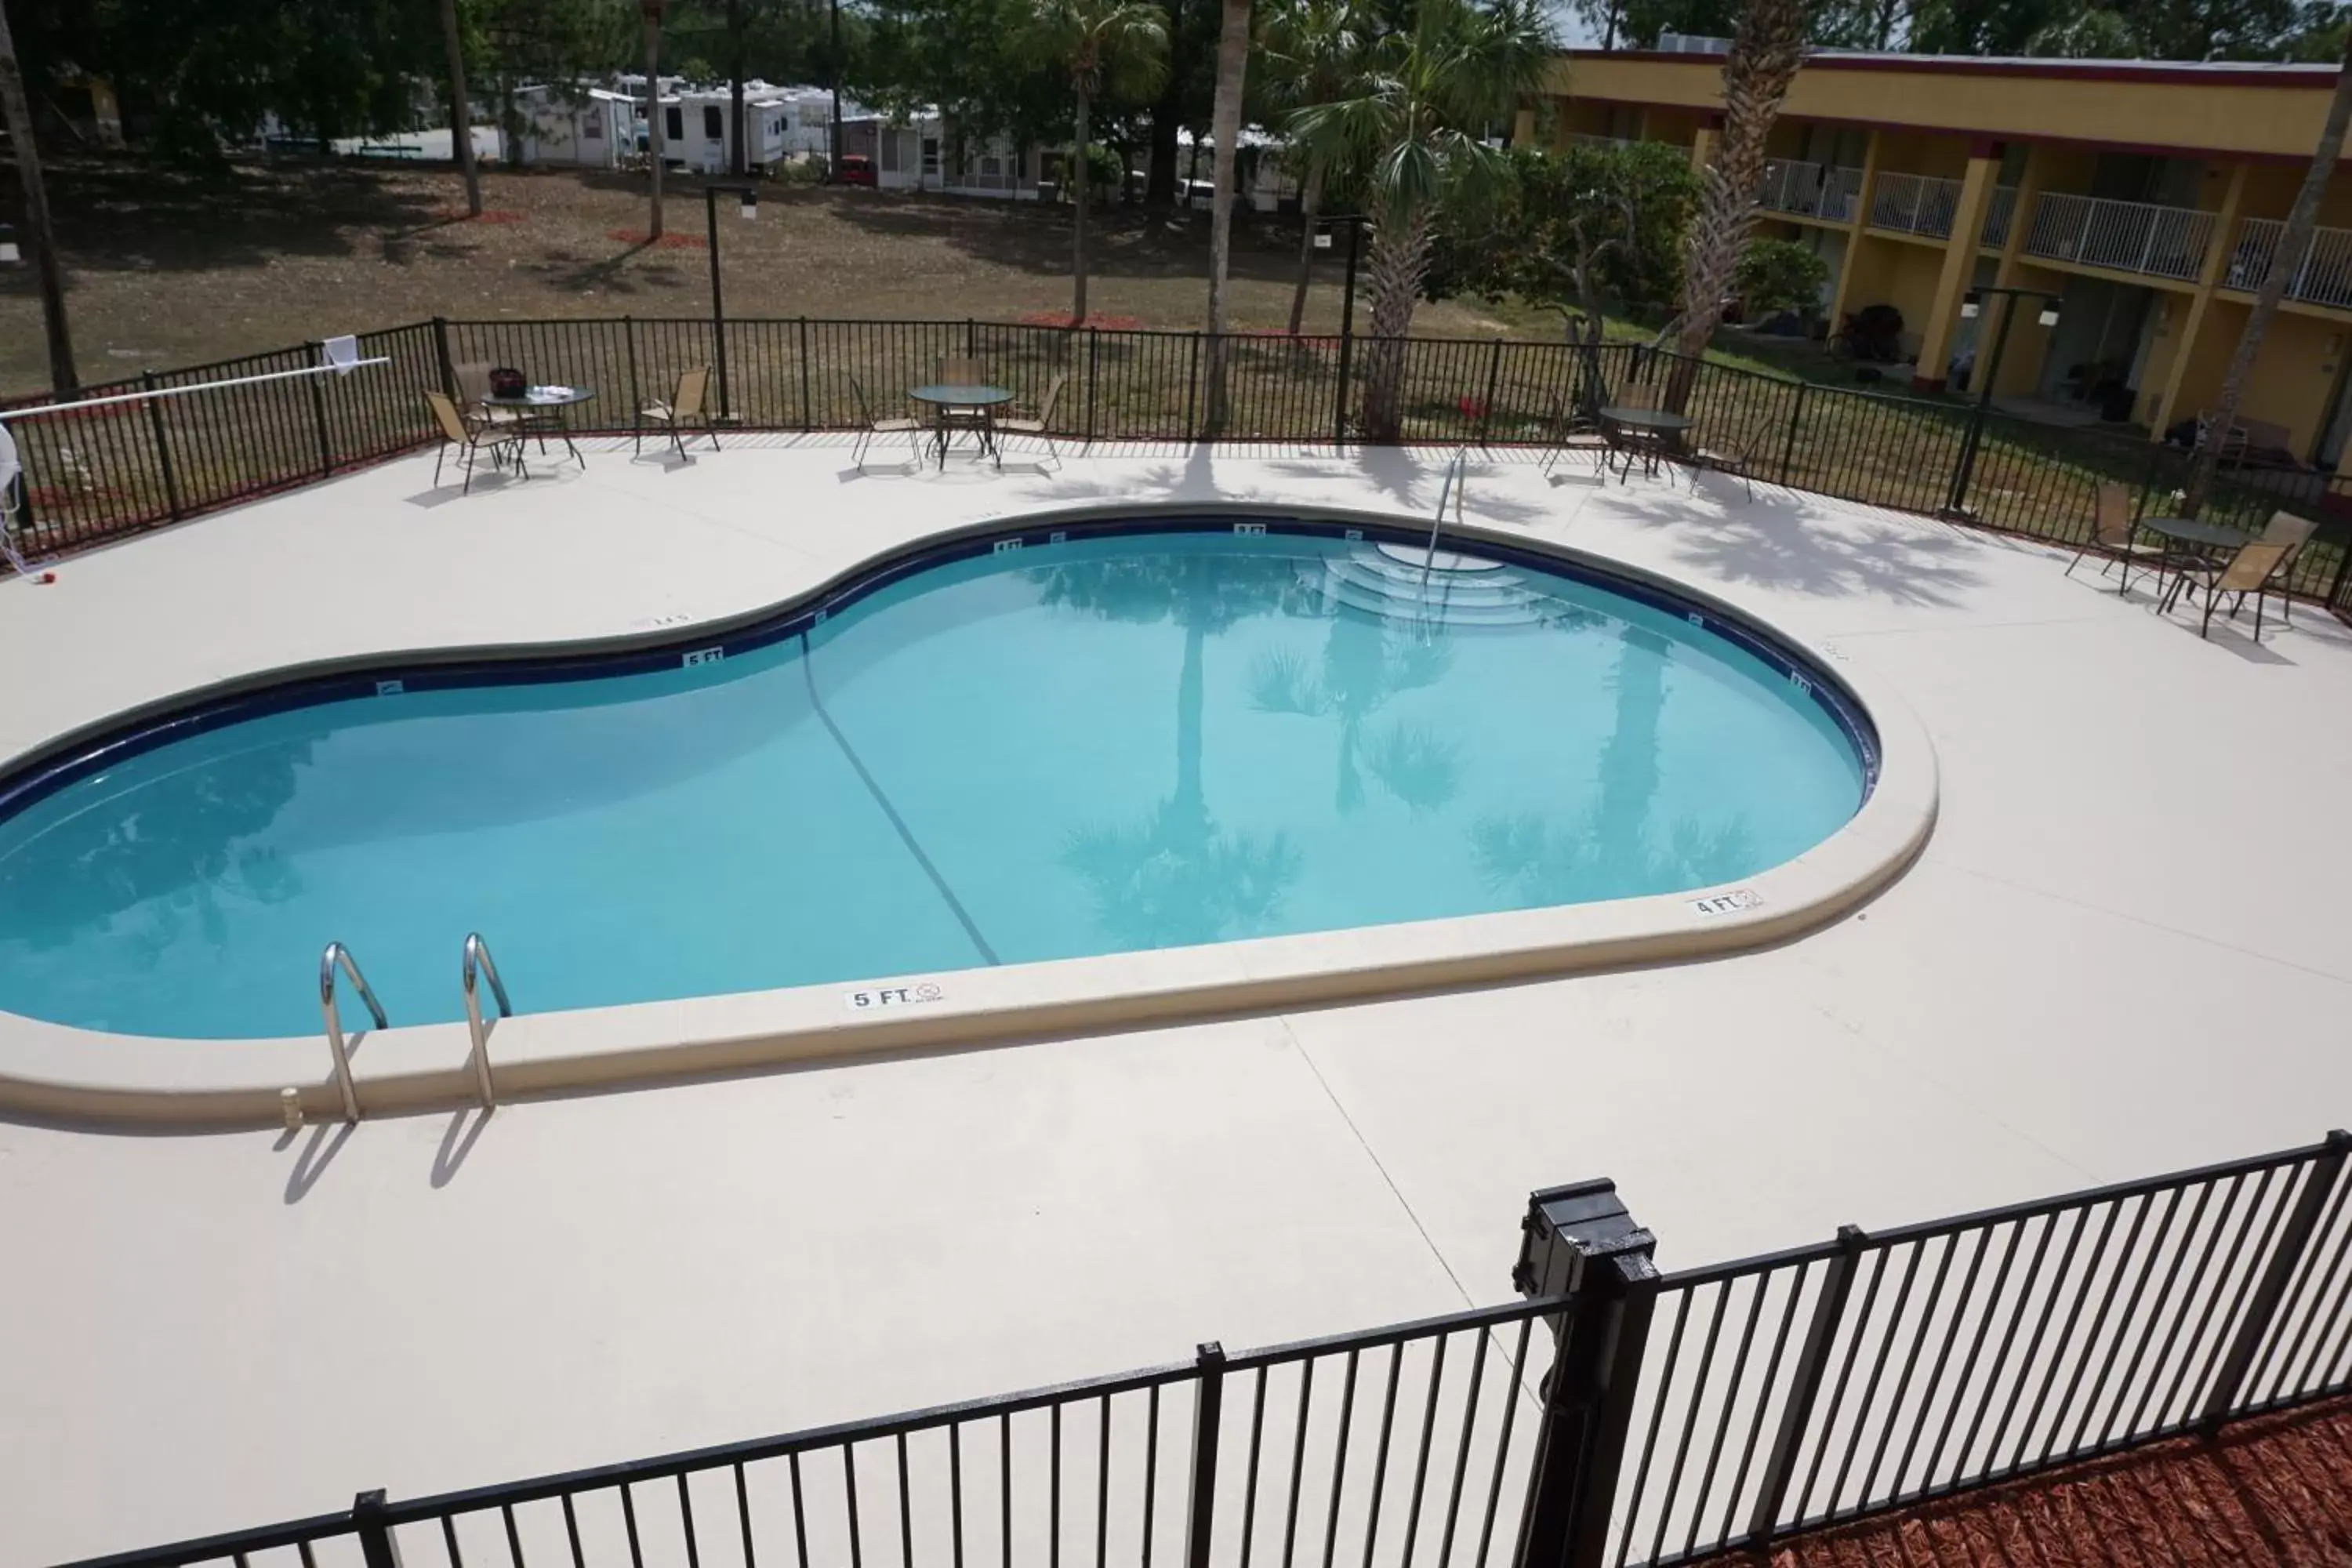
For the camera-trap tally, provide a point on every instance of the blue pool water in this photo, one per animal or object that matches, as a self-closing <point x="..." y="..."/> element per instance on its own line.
<point x="1112" y="744"/>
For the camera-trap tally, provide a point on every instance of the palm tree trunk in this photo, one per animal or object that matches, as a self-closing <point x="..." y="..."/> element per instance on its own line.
<point x="1311" y="202"/>
<point x="1764" y="59"/>
<point x="1079" y="220"/>
<point x="653" y="112"/>
<point x="40" y="235"/>
<point x="461" y="114"/>
<point x="2284" y="263"/>
<point x="1400" y="260"/>
<point x="1233" y="63"/>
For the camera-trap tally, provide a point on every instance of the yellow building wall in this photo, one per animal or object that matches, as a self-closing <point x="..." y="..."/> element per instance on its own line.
<point x="1889" y="272"/>
<point x="1942" y="157"/>
<point x="2171" y="314"/>
<point x="2029" y="339"/>
<point x="2271" y="120"/>
<point x="2292" y="375"/>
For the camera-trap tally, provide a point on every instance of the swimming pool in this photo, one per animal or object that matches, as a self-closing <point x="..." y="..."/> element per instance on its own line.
<point x="1015" y="749"/>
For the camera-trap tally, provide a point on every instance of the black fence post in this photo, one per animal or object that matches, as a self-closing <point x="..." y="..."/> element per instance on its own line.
<point x="1788" y="447"/>
<point x="1193" y="385"/>
<point x="1339" y="405"/>
<point x="629" y="345"/>
<point x="2229" y="1384"/>
<point x="970" y="338"/>
<point x="1580" y="1242"/>
<point x="163" y="448"/>
<point x="808" y="420"/>
<point x="1208" y="1422"/>
<point x="441" y="352"/>
<point x="377" y="1548"/>
<point x="1494" y="380"/>
<point x="1094" y="342"/>
<point x="1804" y="1387"/>
<point x="319" y="411"/>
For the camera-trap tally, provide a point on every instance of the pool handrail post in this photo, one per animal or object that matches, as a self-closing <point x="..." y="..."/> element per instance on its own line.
<point x="338" y="956"/>
<point x="479" y="962"/>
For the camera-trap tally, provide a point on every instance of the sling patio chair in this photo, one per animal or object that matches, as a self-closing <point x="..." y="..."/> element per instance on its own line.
<point x="681" y="408"/>
<point x="1040" y="427"/>
<point x="2112" y="528"/>
<point x="472" y="438"/>
<point x="2250" y="571"/>
<point x="868" y="427"/>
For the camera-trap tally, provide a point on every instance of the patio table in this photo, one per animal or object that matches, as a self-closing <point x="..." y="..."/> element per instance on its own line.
<point x="545" y="408"/>
<point x="2204" y="540"/>
<point x="1663" y="430"/>
<point x="948" y="401"/>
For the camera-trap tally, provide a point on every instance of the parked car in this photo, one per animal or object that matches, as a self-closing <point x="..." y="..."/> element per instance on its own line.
<point x="856" y="169"/>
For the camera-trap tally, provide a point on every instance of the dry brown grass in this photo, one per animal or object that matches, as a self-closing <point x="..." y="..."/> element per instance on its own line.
<point x="169" y="269"/>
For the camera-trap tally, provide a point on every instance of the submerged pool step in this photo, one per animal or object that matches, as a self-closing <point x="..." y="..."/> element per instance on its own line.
<point x="1489" y="596"/>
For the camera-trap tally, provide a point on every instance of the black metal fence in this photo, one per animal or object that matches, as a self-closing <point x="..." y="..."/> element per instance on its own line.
<point x="1691" y="1413"/>
<point x="98" y="474"/>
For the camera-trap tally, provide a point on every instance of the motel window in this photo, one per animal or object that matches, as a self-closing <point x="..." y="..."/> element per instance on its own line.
<point x="674" y="123"/>
<point x="591" y="129"/>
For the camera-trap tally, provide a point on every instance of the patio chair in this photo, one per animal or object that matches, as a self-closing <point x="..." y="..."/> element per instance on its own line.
<point x="2111" y="531"/>
<point x="2250" y="571"/>
<point x="2295" y="533"/>
<point x="1653" y="449"/>
<point x="868" y="427"/>
<point x="958" y="371"/>
<point x="473" y="379"/>
<point x="1562" y="430"/>
<point x="472" y="437"/>
<point x="1724" y="457"/>
<point x="683" y="408"/>
<point x="1040" y="427"/>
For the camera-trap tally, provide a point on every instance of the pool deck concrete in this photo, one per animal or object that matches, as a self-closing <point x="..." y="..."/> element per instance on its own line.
<point x="2126" y="949"/>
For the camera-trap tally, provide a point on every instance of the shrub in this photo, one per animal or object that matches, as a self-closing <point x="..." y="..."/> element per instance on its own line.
<point x="1780" y="274"/>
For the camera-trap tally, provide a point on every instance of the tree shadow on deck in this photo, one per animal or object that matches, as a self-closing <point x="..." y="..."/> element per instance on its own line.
<point x="1776" y="542"/>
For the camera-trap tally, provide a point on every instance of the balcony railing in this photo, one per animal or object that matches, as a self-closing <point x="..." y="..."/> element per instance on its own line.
<point x="1999" y="215"/>
<point x="1598" y="143"/>
<point x="2130" y="236"/>
<point x="1915" y="204"/>
<point x="2323" y="277"/>
<point x="1824" y="191"/>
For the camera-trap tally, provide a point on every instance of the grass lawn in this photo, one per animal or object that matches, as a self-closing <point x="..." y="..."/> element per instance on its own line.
<point x="166" y="268"/>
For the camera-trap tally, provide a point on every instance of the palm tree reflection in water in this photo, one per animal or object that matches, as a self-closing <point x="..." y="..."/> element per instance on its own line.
<point x="1366" y="663"/>
<point x="1607" y="853"/>
<point x="1170" y="877"/>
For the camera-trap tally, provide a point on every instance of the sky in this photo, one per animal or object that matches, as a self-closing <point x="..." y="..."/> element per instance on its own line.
<point x="1573" y="33"/>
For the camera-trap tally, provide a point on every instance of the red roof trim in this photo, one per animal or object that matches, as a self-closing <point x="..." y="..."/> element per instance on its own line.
<point x="2305" y="78"/>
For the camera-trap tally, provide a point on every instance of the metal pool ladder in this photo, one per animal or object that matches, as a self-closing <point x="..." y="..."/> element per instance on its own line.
<point x="1457" y="479"/>
<point x="338" y="956"/>
<point x="479" y="960"/>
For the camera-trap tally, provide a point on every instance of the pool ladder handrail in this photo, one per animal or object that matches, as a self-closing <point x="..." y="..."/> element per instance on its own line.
<point x="478" y="959"/>
<point x="338" y="956"/>
<point x="1457" y="483"/>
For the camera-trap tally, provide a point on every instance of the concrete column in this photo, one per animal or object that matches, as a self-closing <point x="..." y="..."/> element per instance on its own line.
<point x="2192" y="318"/>
<point x="1703" y="145"/>
<point x="1959" y="268"/>
<point x="1841" y="299"/>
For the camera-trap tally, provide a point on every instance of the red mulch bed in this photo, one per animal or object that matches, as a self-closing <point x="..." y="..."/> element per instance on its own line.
<point x="670" y="241"/>
<point x="2273" y="1491"/>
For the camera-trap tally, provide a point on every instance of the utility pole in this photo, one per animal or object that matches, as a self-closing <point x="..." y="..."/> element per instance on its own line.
<point x="40" y="235"/>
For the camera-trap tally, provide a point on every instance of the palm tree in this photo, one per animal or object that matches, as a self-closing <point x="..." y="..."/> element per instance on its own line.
<point x="1415" y="123"/>
<point x="1122" y="44"/>
<point x="461" y="113"/>
<point x="2285" y="262"/>
<point x="1226" y="121"/>
<point x="17" y="115"/>
<point x="1314" y="49"/>
<point x="652" y="11"/>
<point x="1766" y="53"/>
